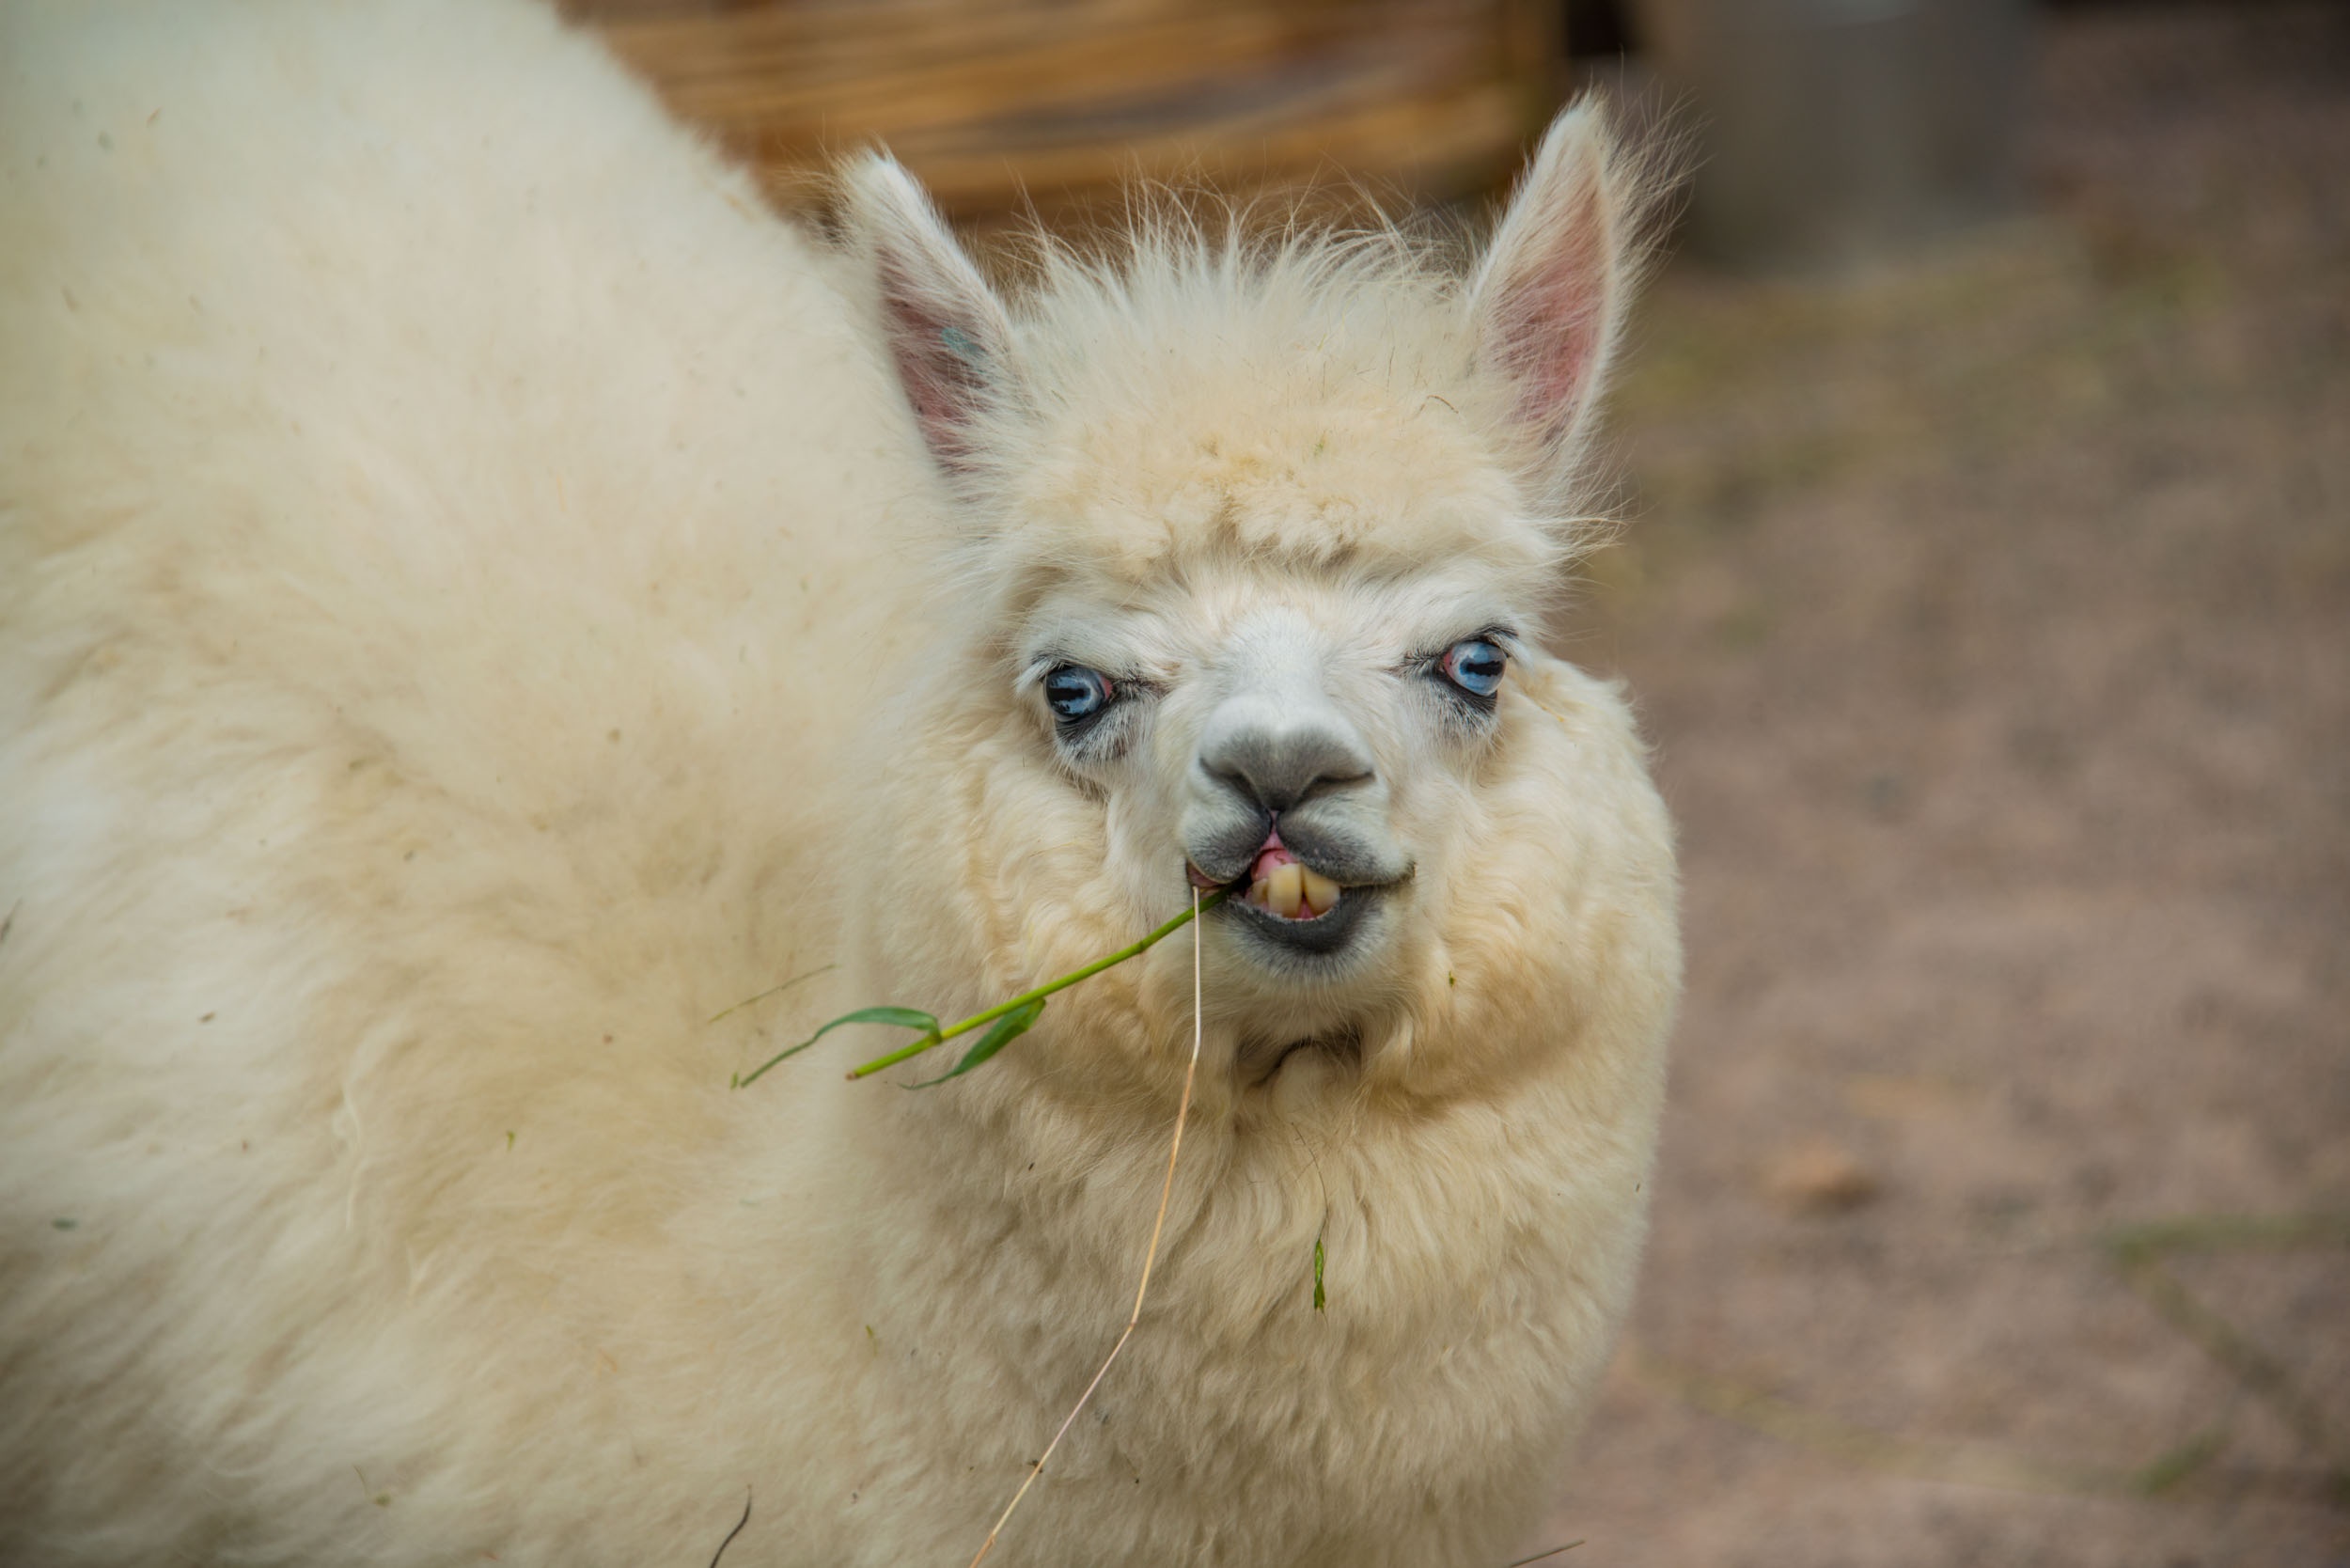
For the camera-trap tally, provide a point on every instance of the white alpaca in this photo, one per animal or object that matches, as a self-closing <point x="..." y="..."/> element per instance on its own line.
<point x="474" y="604"/>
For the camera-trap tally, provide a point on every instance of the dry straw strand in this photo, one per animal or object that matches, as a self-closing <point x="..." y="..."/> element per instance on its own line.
<point x="1544" y="1556"/>
<point x="1150" y="1256"/>
<point x="735" y="1531"/>
<point x="771" y="991"/>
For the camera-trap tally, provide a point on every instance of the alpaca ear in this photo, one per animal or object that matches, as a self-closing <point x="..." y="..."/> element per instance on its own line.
<point x="1551" y="292"/>
<point x="948" y="334"/>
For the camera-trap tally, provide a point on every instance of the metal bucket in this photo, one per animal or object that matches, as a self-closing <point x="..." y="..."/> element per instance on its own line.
<point x="1835" y="132"/>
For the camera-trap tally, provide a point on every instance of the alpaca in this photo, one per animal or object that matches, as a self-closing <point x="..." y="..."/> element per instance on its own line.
<point x="480" y="597"/>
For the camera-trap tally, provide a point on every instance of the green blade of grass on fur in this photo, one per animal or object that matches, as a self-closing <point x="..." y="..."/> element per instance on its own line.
<point x="1001" y="1009"/>
<point x="1004" y="1031"/>
<point x="902" y="1017"/>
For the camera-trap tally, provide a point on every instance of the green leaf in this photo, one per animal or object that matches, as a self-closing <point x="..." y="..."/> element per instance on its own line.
<point x="903" y="1017"/>
<point x="1000" y="1034"/>
<point x="1317" y="1274"/>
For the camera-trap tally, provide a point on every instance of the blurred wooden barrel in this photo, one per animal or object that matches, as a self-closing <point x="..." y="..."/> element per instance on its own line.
<point x="1000" y="105"/>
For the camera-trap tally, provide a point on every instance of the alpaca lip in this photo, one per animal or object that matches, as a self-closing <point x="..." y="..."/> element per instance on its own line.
<point x="1300" y="893"/>
<point x="1258" y="891"/>
<point x="1251" y="886"/>
<point x="1322" y="935"/>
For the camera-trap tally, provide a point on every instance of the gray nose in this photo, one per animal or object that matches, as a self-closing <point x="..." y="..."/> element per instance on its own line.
<point x="1281" y="765"/>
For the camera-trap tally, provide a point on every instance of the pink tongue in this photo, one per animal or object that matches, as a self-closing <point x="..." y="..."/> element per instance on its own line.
<point x="1269" y="860"/>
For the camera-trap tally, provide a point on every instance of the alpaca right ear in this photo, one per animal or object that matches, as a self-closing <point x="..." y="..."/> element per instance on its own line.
<point x="948" y="336"/>
<point x="1550" y="295"/>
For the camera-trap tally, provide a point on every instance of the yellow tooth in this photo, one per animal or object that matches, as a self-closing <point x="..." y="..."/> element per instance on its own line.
<point x="1320" y="891"/>
<point x="1256" y="893"/>
<point x="1285" y="889"/>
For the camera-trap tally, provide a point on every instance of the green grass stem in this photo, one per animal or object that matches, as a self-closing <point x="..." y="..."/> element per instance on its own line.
<point x="1000" y="1009"/>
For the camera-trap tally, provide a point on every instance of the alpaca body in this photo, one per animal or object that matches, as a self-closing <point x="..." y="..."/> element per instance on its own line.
<point x="466" y="618"/>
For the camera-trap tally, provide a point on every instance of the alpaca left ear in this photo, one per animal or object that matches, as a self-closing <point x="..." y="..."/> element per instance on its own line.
<point x="1550" y="294"/>
<point x="948" y="334"/>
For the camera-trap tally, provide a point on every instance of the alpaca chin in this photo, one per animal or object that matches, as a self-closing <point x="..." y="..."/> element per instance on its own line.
<point x="1332" y="1055"/>
<point x="499" y="634"/>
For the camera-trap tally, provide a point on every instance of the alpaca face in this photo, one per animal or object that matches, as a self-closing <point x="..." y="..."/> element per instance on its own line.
<point x="1284" y="740"/>
<point x="1258" y="535"/>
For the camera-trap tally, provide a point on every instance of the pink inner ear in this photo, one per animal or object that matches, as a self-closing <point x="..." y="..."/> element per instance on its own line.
<point x="942" y="363"/>
<point x="1549" y="321"/>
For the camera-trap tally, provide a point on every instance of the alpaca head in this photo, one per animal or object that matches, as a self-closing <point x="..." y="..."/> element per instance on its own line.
<point x="1253" y="543"/>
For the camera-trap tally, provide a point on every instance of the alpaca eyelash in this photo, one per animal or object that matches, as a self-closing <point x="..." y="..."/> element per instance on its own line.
<point x="1125" y="683"/>
<point x="1502" y="636"/>
<point x="1464" y="712"/>
<point x="1464" y="716"/>
<point x="1084" y="736"/>
<point x="1038" y="665"/>
<point x="1101" y="736"/>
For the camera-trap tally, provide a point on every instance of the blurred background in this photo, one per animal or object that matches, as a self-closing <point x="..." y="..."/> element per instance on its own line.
<point x="1986" y="587"/>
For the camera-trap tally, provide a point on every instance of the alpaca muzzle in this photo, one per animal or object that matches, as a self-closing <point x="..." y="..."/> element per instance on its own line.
<point x="1288" y="809"/>
<point x="1302" y="889"/>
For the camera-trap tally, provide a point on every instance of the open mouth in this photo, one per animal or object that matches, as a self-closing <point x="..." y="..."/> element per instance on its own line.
<point x="1285" y="886"/>
<point x="1280" y="884"/>
<point x="1288" y="901"/>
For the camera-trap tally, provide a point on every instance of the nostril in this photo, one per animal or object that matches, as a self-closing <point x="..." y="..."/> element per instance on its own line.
<point x="1279" y="771"/>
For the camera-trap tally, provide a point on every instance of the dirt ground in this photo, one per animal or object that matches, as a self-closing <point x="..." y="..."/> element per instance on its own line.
<point x="1992" y="619"/>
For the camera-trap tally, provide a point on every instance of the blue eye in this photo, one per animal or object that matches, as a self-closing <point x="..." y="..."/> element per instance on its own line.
<point x="1077" y="693"/>
<point x="1475" y="665"/>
